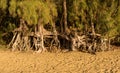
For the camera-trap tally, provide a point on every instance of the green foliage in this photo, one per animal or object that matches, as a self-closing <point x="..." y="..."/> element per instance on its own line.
<point x="108" y="18"/>
<point x="33" y="10"/>
<point x="76" y="14"/>
<point x="104" y="14"/>
<point x="3" y="4"/>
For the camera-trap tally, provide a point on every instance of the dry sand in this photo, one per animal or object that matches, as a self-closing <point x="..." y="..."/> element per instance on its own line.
<point x="71" y="62"/>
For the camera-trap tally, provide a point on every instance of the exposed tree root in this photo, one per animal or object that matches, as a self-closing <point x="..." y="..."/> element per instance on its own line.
<point x="86" y="43"/>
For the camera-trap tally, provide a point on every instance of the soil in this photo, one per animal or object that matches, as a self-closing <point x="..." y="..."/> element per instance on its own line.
<point x="69" y="62"/>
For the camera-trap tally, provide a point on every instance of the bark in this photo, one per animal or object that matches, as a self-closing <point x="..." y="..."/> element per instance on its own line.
<point x="55" y="43"/>
<point x="39" y="38"/>
<point x="16" y="43"/>
<point x="78" y="43"/>
<point x="20" y="39"/>
<point x="93" y="28"/>
<point x="65" y="16"/>
<point x="12" y="41"/>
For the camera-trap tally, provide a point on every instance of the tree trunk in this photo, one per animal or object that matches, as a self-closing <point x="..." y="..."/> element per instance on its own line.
<point x="39" y="40"/>
<point x="55" y="43"/>
<point x="20" y="39"/>
<point x="65" y="16"/>
<point x="93" y="28"/>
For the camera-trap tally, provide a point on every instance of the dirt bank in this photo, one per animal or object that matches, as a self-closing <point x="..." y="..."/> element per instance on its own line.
<point x="71" y="62"/>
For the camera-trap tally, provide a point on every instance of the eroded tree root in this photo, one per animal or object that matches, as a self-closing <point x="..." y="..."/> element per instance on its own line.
<point x="90" y="43"/>
<point x="78" y="43"/>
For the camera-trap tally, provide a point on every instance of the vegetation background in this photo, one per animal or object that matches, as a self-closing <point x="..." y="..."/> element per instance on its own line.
<point x="86" y="16"/>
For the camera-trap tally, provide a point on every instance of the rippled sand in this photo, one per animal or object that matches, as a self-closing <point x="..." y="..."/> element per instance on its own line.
<point x="70" y="62"/>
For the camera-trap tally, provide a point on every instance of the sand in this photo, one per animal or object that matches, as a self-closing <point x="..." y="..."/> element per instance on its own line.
<point x="70" y="62"/>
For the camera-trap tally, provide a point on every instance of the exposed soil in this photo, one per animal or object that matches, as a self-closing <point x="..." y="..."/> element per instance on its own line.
<point x="70" y="62"/>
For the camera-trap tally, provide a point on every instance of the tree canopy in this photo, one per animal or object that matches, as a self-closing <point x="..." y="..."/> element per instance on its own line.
<point x="32" y="10"/>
